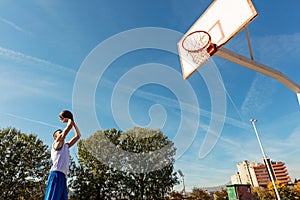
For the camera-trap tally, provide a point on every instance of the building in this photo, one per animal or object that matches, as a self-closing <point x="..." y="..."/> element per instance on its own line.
<point x="256" y="174"/>
<point x="239" y="191"/>
<point x="245" y="174"/>
<point x="278" y="171"/>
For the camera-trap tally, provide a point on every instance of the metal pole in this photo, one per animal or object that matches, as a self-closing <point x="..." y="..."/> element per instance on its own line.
<point x="249" y="43"/>
<point x="265" y="159"/>
<point x="258" y="67"/>
<point x="183" y="185"/>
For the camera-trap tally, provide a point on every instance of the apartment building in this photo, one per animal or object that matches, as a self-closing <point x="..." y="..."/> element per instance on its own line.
<point x="256" y="174"/>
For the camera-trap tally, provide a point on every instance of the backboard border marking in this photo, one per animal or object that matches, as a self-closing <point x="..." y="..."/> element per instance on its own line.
<point x="221" y="29"/>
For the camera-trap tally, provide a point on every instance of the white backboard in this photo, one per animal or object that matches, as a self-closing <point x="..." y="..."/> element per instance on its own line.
<point x="223" y="19"/>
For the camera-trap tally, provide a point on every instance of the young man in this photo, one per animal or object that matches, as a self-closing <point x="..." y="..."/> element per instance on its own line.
<point x="57" y="181"/>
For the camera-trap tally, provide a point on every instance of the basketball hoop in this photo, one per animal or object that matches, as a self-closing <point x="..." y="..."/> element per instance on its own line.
<point x="198" y="45"/>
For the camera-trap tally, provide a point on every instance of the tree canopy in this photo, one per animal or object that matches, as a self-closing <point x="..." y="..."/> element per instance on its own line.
<point x="220" y="195"/>
<point x="199" y="194"/>
<point x="24" y="168"/>
<point x="285" y="191"/>
<point x="136" y="164"/>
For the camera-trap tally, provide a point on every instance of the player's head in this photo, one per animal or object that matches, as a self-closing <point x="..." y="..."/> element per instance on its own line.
<point x="58" y="131"/>
<point x="65" y="115"/>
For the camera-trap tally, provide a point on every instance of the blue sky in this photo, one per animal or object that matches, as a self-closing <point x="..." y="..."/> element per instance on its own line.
<point x="115" y="64"/>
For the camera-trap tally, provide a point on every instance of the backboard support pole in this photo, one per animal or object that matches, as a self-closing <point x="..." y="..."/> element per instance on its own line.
<point x="258" y="67"/>
<point x="249" y="43"/>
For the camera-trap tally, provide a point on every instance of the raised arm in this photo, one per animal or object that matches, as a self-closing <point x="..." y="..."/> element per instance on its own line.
<point x="59" y="140"/>
<point x="76" y="137"/>
<point x="67" y="129"/>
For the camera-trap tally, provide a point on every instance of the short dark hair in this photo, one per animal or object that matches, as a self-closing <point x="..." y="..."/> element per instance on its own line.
<point x="57" y="131"/>
<point x="66" y="114"/>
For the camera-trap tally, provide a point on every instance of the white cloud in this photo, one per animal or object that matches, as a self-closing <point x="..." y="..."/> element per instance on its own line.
<point x="29" y="119"/>
<point x="258" y="96"/>
<point x="174" y="104"/>
<point x="28" y="76"/>
<point x="13" y="25"/>
<point x="280" y="47"/>
<point x="31" y="61"/>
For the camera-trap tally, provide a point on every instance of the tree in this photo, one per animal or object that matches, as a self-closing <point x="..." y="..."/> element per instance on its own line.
<point x="94" y="177"/>
<point x="199" y="194"/>
<point x="149" y="164"/>
<point x="24" y="168"/>
<point x="297" y="188"/>
<point x="137" y="164"/>
<point x="220" y="195"/>
<point x="284" y="191"/>
<point x="261" y="193"/>
<point x="175" y="195"/>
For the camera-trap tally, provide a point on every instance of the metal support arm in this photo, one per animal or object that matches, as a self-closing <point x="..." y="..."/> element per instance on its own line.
<point x="258" y="67"/>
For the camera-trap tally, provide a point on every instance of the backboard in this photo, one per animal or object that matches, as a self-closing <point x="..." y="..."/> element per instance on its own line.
<point x="222" y="20"/>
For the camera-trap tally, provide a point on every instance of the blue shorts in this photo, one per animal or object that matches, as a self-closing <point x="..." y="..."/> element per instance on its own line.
<point x="56" y="186"/>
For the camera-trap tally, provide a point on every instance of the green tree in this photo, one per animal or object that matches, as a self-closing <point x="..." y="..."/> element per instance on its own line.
<point x="25" y="162"/>
<point x="137" y="164"/>
<point x="220" y="195"/>
<point x="149" y="164"/>
<point x="199" y="194"/>
<point x="92" y="178"/>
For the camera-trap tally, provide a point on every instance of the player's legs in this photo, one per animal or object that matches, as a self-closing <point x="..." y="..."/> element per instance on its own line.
<point x="56" y="186"/>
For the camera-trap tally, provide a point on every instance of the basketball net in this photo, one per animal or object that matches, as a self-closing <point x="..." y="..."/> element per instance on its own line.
<point x="198" y="46"/>
<point x="199" y="57"/>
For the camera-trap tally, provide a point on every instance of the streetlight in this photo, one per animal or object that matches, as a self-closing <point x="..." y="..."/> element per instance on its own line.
<point x="265" y="158"/>
<point x="182" y="176"/>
